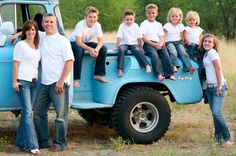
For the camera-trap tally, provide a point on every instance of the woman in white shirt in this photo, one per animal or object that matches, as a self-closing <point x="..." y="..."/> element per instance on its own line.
<point x="216" y="89"/>
<point x="25" y="74"/>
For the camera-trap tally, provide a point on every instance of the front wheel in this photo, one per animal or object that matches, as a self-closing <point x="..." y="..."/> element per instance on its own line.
<point x="141" y="114"/>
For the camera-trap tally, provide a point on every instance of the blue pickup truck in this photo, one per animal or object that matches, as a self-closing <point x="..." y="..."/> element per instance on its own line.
<point x="136" y="105"/>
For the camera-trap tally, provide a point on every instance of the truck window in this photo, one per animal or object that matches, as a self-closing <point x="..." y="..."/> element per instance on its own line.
<point x="19" y="13"/>
<point x="7" y="13"/>
<point x="36" y="13"/>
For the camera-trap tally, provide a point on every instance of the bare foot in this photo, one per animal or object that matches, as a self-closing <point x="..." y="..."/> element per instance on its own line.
<point x="160" y="77"/>
<point x="100" y="78"/>
<point x="227" y="144"/>
<point x="172" y="78"/>
<point x="175" y="70"/>
<point x="76" y="84"/>
<point x="120" y="74"/>
<point x="214" y="145"/>
<point x="192" y="70"/>
<point x="148" y="69"/>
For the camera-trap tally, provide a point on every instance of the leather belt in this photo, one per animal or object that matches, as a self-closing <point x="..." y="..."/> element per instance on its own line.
<point x="212" y="85"/>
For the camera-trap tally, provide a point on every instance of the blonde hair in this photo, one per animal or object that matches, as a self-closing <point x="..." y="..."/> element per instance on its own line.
<point x="192" y="15"/>
<point x="151" y="6"/>
<point x="215" y="40"/>
<point x="175" y="10"/>
<point x="91" y="9"/>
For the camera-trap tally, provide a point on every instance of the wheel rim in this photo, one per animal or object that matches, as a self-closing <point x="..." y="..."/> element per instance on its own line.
<point x="144" y="117"/>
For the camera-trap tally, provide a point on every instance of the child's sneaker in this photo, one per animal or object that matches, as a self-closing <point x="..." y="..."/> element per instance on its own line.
<point x="35" y="151"/>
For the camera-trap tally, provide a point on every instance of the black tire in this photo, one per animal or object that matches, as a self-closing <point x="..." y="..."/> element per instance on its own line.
<point x="141" y="114"/>
<point x="99" y="117"/>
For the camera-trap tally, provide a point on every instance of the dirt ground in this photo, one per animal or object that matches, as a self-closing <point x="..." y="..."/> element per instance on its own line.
<point x="82" y="139"/>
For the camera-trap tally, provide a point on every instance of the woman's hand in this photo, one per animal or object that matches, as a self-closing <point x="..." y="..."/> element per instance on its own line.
<point x="16" y="86"/>
<point x="219" y="91"/>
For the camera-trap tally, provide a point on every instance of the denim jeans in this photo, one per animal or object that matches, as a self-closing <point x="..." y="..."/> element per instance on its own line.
<point x="26" y="138"/>
<point x="160" y="60"/>
<point x="79" y="54"/>
<point x="191" y="49"/>
<point x="216" y="104"/>
<point x="176" y="49"/>
<point x="139" y="55"/>
<point x="45" y="96"/>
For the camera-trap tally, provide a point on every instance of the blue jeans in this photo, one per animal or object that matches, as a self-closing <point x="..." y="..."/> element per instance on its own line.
<point x="176" y="49"/>
<point x="45" y="96"/>
<point x="26" y="138"/>
<point x="216" y="104"/>
<point x="160" y="60"/>
<point x="79" y="54"/>
<point x="191" y="49"/>
<point x="139" y="55"/>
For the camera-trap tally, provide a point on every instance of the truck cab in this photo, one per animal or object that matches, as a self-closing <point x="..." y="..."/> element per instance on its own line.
<point x="136" y="105"/>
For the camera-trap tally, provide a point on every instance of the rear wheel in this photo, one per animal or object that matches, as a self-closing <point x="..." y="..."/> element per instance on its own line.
<point x="141" y="114"/>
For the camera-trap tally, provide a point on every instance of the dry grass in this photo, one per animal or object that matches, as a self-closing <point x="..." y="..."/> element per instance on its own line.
<point x="228" y="56"/>
<point x="108" y="36"/>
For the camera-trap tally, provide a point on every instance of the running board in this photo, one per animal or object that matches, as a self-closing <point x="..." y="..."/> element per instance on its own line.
<point x="89" y="105"/>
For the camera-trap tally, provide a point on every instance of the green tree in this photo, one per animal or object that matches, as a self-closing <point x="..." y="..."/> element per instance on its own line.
<point x="217" y="16"/>
<point x="227" y="11"/>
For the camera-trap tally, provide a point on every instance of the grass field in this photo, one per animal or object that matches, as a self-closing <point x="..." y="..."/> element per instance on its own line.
<point x="190" y="133"/>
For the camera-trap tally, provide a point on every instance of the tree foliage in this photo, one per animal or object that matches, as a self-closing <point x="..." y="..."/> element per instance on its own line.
<point x="217" y="16"/>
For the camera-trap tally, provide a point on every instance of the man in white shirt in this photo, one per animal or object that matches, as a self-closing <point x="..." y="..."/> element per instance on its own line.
<point x="57" y="60"/>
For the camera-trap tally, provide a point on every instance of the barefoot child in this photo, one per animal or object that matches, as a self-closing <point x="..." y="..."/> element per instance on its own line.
<point x="81" y="40"/>
<point x="153" y="37"/>
<point x="216" y="89"/>
<point x="130" y="38"/>
<point x="192" y="34"/>
<point x="174" y="37"/>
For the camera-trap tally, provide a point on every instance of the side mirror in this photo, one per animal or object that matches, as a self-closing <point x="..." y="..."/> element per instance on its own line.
<point x="7" y="28"/>
<point x="2" y="40"/>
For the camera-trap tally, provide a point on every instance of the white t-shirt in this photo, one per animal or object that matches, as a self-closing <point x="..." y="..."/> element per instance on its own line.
<point x="153" y="30"/>
<point x="29" y="61"/>
<point x="55" y="50"/>
<point x="210" y="70"/>
<point x="129" y="34"/>
<point x="173" y="32"/>
<point x="194" y="33"/>
<point x="86" y="33"/>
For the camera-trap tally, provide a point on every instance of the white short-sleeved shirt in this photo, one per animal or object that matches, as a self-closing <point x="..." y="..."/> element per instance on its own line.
<point x="194" y="33"/>
<point x="173" y="32"/>
<point x="29" y="61"/>
<point x="129" y="34"/>
<point x="210" y="70"/>
<point x="152" y="30"/>
<point x="86" y="33"/>
<point x="55" y="50"/>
